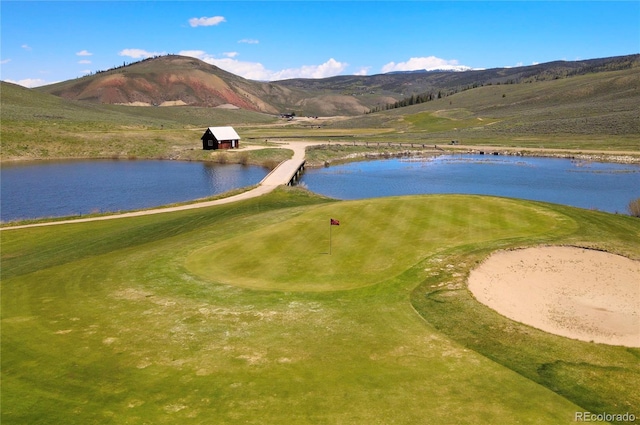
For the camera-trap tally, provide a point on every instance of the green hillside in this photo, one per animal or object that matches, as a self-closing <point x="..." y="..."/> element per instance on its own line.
<point x="592" y="111"/>
<point x="595" y="110"/>
<point x="20" y="104"/>
<point x="37" y="125"/>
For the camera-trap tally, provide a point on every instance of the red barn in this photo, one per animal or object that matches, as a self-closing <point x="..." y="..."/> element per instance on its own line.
<point x="220" y="138"/>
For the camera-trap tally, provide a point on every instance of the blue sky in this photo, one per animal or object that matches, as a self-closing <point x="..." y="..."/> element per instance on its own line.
<point x="44" y="42"/>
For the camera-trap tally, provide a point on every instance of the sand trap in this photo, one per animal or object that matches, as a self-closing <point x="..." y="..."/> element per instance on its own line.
<point x="573" y="292"/>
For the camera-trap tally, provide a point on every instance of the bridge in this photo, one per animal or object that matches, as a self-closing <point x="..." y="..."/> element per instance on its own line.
<point x="287" y="173"/>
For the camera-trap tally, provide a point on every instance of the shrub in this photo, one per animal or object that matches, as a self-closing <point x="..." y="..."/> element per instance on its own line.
<point x="634" y="207"/>
<point x="222" y="158"/>
<point x="244" y="158"/>
<point x="270" y="164"/>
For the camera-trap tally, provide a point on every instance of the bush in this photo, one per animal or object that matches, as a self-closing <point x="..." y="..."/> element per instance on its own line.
<point x="244" y="158"/>
<point x="222" y="158"/>
<point x="270" y="164"/>
<point x="634" y="207"/>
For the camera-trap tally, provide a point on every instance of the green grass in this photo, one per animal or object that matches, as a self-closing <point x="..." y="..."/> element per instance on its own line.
<point x="594" y="111"/>
<point x="41" y="126"/>
<point x="382" y="226"/>
<point x="125" y="321"/>
<point x="446" y="121"/>
<point x="594" y="376"/>
<point x="587" y="112"/>
<point x="237" y="314"/>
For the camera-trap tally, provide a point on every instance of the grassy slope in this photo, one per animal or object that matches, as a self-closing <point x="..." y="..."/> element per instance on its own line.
<point x="41" y="126"/>
<point x="121" y="322"/>
<point x="594" y="111"/>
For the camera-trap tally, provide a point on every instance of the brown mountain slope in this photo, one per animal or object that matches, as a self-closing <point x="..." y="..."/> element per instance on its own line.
<point x="173" y="80"/>
<point x="179" y="80"/>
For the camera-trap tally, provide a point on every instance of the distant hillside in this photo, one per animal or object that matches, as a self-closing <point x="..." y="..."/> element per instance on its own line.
<point x="401" y="85"/>
<point x="176" y="80"/>
<point x="32" y="108"/>
<point x="596" y="105"/>
<point x="173" y="81"/>
<point x="597" y="110"/>
<point x="421" y="81"/>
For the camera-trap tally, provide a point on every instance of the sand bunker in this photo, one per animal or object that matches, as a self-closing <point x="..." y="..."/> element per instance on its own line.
<point x="573" y="292"/>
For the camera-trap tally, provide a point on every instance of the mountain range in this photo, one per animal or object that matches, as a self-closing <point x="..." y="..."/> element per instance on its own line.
<point x="178" y="80"/>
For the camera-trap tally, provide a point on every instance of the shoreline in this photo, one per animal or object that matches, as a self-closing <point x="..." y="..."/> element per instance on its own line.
<point x="378" y="151"/>
<point x="300" y="151"/>
<point x="366" y="156"/>
<point x="619" y="157"/>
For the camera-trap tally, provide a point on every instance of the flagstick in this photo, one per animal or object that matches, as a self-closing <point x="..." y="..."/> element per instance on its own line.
<point x="330" y="226"/>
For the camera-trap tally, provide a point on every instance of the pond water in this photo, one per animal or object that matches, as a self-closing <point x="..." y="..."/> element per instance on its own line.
<point x="592" y="185"/>
<point x="53" y="189"/>
<point x="61" y="188"/>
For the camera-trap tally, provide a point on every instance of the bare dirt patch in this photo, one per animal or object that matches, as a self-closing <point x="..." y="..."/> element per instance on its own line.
<point x="573" y="292"/>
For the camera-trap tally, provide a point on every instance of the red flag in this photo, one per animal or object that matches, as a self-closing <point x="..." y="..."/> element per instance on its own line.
<point x="335" y="222"/>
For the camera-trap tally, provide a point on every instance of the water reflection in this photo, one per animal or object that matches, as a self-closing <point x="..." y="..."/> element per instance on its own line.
<point x="60" y="188"/>
<point x="603" y="186"/>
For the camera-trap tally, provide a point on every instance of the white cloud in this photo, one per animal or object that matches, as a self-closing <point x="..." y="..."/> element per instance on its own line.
<point x="248" y="41"/>
<point x="363" y="71"/>
<point x="518" y="65"/>
<point x="84" y="62"/>
<point x="84" y="53"/>
<point x="139" y="53"/>
<point x="249" y="70"/>
<point x="257" y="71"/>
<point x="29" y="82"/>
<point x="328" y="69"/>
<point x="428" y="63"/>
<point x="3" y="61"/>
<point x="206" y="22"/>
<point x="199" y="54"/>
<point x="26" y="47"/>
<point x="231" y="54"/>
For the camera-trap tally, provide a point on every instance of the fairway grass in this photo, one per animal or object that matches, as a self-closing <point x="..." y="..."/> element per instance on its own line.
<point x="237" y="314"/>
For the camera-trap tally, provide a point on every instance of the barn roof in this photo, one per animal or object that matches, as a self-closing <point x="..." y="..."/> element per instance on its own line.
<point x="224" y="133"/>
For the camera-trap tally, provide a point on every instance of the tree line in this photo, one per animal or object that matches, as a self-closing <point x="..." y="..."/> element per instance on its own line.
<point x="126" y="64"/>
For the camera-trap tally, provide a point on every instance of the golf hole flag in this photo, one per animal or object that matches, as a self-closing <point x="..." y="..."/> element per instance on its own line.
<point x="333" y="222"/>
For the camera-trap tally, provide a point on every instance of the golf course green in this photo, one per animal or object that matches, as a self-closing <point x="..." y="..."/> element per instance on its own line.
<point x="376" y="239"/>
<point x="260" y="312"/>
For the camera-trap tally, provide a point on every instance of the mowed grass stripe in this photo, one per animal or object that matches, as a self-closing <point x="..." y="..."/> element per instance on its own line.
<point x="374" y="241"/>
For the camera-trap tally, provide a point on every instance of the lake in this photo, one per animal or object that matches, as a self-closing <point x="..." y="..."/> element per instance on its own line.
<point x="62" y="188"/>
<point x="592" y="185"/>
